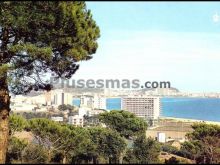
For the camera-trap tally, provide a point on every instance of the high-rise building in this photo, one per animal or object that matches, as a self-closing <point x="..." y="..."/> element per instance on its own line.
<point x="99" y="102"/>
<point x="145" y="107"/>
<point x="48" y="98"/>
<point x="60" y="97"/>
<point x="86" y="101"/>
<point x="93" y="102"/>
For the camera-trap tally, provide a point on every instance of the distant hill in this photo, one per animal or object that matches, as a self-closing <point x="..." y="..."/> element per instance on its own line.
<point x="153" y="89"/>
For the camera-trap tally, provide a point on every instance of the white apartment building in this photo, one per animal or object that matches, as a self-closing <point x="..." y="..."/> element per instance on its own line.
<point x="18" y="99"/>
<point x="99" y="102"/>
<point x="76" y="120"/>
<point x="22" y="107"/>
<point x="93" y="102"/>
<point x="60" y="97"/>
<point x="145" y="107"/>
<point x="86" y="101"/>
<point x="57" y="118"/>
<point x="83" y="111"/>
<point x="39" y="99"/>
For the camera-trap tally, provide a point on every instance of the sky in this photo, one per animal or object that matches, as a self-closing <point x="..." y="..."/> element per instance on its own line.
<point x="157" y="41"/>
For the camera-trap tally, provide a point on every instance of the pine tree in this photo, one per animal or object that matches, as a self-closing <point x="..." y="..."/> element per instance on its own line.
<point x="37" y="38"/>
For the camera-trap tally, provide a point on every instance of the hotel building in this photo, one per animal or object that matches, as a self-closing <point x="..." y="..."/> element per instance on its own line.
<point x="145" y="107"/>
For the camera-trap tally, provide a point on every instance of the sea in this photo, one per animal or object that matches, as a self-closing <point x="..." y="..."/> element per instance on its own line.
<point x="207" y="109"/>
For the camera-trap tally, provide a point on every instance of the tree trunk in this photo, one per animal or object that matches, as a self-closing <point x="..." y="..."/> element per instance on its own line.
<point x="64" y="159"/>
<point x="4" y="119"/>
<point x="94" y="160"/>
<point x="48" y="156"/>
<point x="121" y="156"/>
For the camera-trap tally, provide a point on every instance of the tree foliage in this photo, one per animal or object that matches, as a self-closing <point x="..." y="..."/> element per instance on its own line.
<point x="170" y="149"/>
<point x="76" y="144"/>
<point x="84" y="148"/>
<point x="204" y="143"/>
<point x="16" y="123"/>
<point x="91" y="120"/>
<point x="146" y="150"/>
<point x="64" y="107"/>
<point x="109" y="143"/>
<point x="124" y="122"/>
<point x="129" y="157"/>
<point x="54" y="136"/>
<point x="35" y="153"/>
<point x="30" y="115"/>
<point x="172" y="160"/>
<point x="37" y="37"/>
<point x="16" y="149"/>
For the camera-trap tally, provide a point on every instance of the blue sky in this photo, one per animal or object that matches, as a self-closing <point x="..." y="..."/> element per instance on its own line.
<point x="157" y="41"/>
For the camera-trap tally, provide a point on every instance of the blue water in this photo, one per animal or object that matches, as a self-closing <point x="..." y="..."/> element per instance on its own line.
<point x="113" y="103"/>
<point x="190" y="108"/>
<point x="76" y="102"/>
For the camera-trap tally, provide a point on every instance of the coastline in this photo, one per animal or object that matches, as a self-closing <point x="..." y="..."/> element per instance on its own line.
<point x="190" y="120"/>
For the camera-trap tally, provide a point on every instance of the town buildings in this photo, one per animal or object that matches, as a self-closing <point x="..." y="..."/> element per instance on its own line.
<point x="76" y="120"/>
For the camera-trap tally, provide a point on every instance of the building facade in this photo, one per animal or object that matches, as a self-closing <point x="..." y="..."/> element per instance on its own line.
<point x="57" y="118"/>
<point x="60" y="97"/>
<point x="76" y="120"/>
<point x="86" y="101"/>
<point x="99" y="102"/>
<point x="144" y="107"/>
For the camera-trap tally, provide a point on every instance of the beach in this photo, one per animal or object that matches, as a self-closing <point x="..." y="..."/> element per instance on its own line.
<point x="189" y="120"/>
